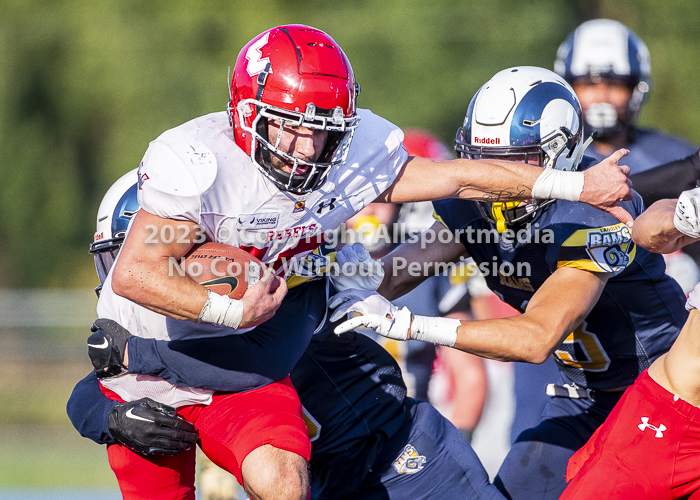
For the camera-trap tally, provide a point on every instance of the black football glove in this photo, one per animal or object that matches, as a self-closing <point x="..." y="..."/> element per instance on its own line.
<point x="150" y="428"/>
<point x="106" y="347"/>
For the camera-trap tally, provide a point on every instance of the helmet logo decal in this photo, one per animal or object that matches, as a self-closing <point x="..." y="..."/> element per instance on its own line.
<point x="486" y="140"/>
<point x="256" y="62"/>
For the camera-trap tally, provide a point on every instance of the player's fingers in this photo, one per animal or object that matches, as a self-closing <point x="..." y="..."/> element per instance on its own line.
<point x="621" y="214"/>
<point x="262" y="285"/>
<point x="337" y="300"/>
<point x="281" y="289"/>
<point x="155" y="450"/>
<point x="176" y="424"/>
<point x="340" y="258"/>
<point x="268" y="275"/>
<point x="618" y="155"/>
<point x="177" y="436"/>
<point x="625" y="170"/>
<point x="351" y="324"/>
<point x="266" y="280"/>
<point x="338" y="314"/>
<point x="360" y="251"/>
<point x="349" y="254"/>
<point x="350" y="307"/>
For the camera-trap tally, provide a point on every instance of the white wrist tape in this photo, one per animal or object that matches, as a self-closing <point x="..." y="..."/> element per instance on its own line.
<point x="557" y="184"/>
<point x="222" y="310"/>
<point x="441" y="331"/>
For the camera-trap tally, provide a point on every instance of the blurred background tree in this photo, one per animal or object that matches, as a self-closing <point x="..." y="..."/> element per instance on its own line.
<point x="86" y="85"/>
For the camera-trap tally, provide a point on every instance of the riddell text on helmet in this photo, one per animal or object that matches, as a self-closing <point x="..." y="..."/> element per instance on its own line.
<point x="486" y="140"/>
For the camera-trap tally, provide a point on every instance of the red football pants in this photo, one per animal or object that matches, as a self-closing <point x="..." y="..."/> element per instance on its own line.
<point x="229" y="428"/>
<point x="648" y="447"/>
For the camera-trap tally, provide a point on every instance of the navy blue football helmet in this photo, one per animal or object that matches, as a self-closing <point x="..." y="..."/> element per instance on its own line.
<point x="603" y="49"/>
<point x="524" y="114"/>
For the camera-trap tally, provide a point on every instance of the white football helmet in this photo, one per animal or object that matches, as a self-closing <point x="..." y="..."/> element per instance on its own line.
<point x="116" y="210"/>
<point x="605" y="49"/>
<point x="524" y="114"/>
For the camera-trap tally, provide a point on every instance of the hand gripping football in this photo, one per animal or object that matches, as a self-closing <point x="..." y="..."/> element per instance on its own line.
<point x="224" y="269"/>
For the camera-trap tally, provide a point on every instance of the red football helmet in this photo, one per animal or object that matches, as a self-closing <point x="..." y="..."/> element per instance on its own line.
<point x="299" y="77"/>
<point x="419" y="142"/>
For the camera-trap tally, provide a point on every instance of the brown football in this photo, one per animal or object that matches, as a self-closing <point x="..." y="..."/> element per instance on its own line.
<point x="224" y="269"/>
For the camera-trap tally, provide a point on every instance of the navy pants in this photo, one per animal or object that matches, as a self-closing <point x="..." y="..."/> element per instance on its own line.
<point x="427" y="458"/>
<point x="535" y="467"/>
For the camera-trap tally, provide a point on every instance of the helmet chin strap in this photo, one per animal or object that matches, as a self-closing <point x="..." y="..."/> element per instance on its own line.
<point x="584" y="146"/>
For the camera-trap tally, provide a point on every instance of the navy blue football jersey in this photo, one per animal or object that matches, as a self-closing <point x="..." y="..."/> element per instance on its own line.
<point x="347" y="415"/>
<point x="639" y="313"/>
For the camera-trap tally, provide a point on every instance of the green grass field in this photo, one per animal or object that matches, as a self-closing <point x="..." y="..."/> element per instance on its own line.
<point x="38" y="445"/>
<point x="51" y="457"/>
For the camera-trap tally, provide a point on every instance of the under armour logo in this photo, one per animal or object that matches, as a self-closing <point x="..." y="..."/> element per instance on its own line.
<point x="323" y="205"/>
<point x="659" y="430"/>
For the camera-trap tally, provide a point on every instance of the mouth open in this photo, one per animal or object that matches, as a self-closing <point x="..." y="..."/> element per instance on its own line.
<point x="301" y="169"/>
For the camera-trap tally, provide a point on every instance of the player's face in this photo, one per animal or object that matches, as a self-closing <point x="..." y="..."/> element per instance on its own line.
<point x="614" y="92"/>
<point x="300" y="142"/>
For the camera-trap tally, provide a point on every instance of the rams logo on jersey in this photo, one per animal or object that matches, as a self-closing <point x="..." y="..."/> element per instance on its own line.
<point x="409" y="462"/>
<point x="606" y="249"/>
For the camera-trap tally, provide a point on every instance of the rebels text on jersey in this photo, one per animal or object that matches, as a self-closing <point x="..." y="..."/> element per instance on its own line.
<point x="196" y="172"/>
<point x="639" y="313"/>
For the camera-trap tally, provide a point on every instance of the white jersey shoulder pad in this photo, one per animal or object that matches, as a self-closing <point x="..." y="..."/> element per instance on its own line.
<point x="174" y="173"/>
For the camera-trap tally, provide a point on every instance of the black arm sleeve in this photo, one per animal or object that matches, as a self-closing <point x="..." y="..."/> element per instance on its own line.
<point x="236" y="363"/>
<point x="88" y="409"/>
<point x="668" y="180"/>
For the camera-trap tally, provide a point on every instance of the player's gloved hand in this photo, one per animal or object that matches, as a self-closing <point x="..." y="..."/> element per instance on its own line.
<point x="376" y="313"/>
<point x="150" y="428"/>
<point x="355" y="268"/>
<point x="106" y="347"/>
<point x="686" y="219"/>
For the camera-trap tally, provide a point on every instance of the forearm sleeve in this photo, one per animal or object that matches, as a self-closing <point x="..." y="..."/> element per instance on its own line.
<point x="668" y="180"/>
<point x="236" y="363"/>
<point x="228" y="364"/>
<point x="88" y="409"/>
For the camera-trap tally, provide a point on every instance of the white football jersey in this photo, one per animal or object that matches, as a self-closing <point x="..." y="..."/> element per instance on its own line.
<point x="196" y="172"/>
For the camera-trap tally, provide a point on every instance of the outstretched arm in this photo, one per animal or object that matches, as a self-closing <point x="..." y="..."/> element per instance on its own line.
<point x="531" y="337"/>
<point x="601" y="186"/>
